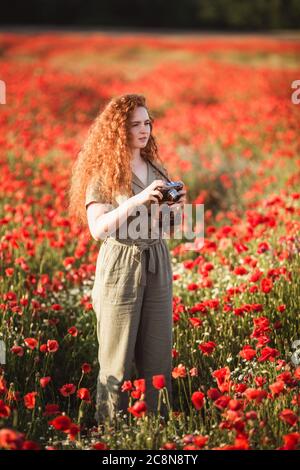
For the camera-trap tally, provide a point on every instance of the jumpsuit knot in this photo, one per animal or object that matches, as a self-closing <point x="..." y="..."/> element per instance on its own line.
<point x="150" y="249"/>
<point x="139" y="246"/>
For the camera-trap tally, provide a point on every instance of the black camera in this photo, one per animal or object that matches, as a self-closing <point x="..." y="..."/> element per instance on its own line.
<point x="170" y="193"/>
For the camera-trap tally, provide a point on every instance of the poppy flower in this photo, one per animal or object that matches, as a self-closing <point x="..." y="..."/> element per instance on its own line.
<point x="198" y="400"/>
<point x="31" y="343"/>
<point x="52" y="345"/>
<point x="29" y="400"/>
<point x="247" y="352"/>
<point x="138" y="409"/>
<point x="44" y="381"/>
<point x="140" y="384"/>
<point x="4" y="410"/>
<point x="67" y="390"/>
<point x="289" y="417"/>
<point x="86" y="368"/>
<point x="179" y="371"/>
<point x="84" y="394"/>
<point x="158" y="381"/>
<point x="61" y="423"/>
<point x="73" y="331"/>
<point x="207" y="348"/>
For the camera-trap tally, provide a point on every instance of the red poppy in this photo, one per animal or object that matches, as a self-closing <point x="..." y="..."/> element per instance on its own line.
<point x="86" y="368"/>
<point x="56" y="307"/>
<point x="52" y="345"/>
<point x="127" y="386"/>
<point x="73" y="331"/>
<point x="84" y="394"/>
<point x="158" y="381"/>
<point x="268" y="354"/>
<point x="207" y="348"/>
<point x="179" y="371"/>
<point x="29" y="400"/>
<point x="169" y="446"/>
<point x="136" y="394"/>
<point x="18" y="350"/>
<point x="31" y="343"/>
<point x="138" y="409"/>
<point x="4" y="410"/>
<point x="289" y="417"/>
<point x="44" y="381"/>
<point x="61" y="423"/>
<point x="222" y="401"/>
<point x="100" y="446"/>
<point x="195" y="321"/>
<point x="192" y="286"/>
<point x="297" y="373"/>
<point x="198" y="400"/>
<point x="277" y="387"/>
<point x="223" y="375"/>
<point x="200" y="441"/>
<point x="263" y="247"/>
<point x="43" y="348"/>
<point x="213" y="393"/>
<point x="30" y="445"/>
<point x="67" y="390"/>
<point x="247" y="352"/>
<point x="240" y="270"/>
<point x="140" y="385"/>
<point x="255" y="394"/>
<point x="73" y="431"/>
<point x="10" y="439"/>
<point x="291" y="441"/>
<point x="266" y="285"/>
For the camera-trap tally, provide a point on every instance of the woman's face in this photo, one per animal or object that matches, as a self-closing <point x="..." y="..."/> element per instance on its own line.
<point x="139" y="127"/>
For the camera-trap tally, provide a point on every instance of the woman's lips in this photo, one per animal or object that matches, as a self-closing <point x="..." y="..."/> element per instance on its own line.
<point x="143" y="138"/>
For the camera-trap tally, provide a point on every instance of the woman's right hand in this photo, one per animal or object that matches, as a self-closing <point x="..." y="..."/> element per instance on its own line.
<point x="151" y="193"/>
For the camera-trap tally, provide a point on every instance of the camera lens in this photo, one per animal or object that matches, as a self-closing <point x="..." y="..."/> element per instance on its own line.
<point x="173" y="194"/>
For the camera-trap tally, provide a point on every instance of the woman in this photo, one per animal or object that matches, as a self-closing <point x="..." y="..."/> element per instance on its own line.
<point x="117" y="171"/>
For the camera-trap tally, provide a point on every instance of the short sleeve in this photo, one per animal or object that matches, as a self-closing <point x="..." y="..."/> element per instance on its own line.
<point x="93" y="192"/>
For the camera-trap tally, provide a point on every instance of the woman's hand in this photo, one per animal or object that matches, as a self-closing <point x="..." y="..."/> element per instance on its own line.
<point x="150" y="194"/>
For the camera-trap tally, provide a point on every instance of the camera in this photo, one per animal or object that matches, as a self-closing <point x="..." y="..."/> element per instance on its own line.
<point x="170" y="193"/>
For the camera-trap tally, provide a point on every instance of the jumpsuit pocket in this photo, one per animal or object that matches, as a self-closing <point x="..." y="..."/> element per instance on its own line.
<point x="119" y="277"/>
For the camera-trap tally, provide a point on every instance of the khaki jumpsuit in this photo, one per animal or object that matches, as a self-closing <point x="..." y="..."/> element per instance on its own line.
<point x="132" y="299"/>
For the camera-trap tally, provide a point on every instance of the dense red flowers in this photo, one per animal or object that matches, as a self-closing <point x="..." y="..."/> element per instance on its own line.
<point x="237" y="149"/>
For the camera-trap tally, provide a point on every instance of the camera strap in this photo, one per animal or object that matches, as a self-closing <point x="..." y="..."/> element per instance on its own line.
<point x="159" y="171"/>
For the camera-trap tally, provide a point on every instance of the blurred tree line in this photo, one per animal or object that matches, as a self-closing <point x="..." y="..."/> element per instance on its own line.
<point x="202" y="14"/>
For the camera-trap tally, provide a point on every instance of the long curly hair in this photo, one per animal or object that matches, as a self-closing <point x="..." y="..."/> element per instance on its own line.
<point x="106" y="152"/>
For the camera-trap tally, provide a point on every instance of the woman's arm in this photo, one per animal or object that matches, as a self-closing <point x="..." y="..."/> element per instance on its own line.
<point x="103" y="221"/>
<point x="103" y="224"/>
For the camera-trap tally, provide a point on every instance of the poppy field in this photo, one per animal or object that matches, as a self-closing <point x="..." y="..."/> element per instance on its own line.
<point x="226" y="125"/>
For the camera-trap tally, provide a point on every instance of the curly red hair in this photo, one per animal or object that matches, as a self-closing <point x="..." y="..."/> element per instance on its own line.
<point x="106" y="152"/>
